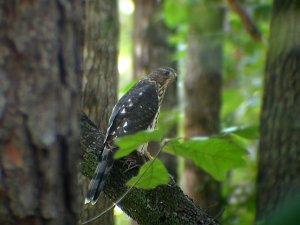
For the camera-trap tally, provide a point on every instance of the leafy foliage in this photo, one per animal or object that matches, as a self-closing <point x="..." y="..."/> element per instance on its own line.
<point x="248" y="132"/>
<point x="216" y="155"/>
<point x="129" y="143"/>
<point x="181" y="17"/>
<point x="243" y="69"/>
<point x="244" y="62"/>
<point x="151" y="174"/>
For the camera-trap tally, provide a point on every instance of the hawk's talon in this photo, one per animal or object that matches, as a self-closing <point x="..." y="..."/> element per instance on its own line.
<point x="148" y="156"/>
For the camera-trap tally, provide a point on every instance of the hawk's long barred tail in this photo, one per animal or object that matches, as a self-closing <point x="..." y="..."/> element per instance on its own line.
<point x="97" y="183"/>
<point x="128" y="190"/>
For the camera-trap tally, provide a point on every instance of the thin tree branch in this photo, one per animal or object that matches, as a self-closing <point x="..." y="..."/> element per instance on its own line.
<point x="166" y="204"/>
<point x="245" y="19"/>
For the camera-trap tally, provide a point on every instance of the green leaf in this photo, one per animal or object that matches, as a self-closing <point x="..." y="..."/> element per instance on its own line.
<point x="216" y="155"/>
<point x="248" y="132"/>
<point x="129" y="143"/>
<point x="150" y="175"/>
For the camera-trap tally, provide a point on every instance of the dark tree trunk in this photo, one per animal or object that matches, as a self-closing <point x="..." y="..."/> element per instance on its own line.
<point x="39" y="105"/>
<point x="203" y="99"/>
<point x="279" y="151"/>
<point x="100" y="81"/>
<point x="152" y="50"/>
<point x="100" y="60"/>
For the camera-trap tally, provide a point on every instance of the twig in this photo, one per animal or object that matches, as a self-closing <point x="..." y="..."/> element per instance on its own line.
<point x="245" y="19"/>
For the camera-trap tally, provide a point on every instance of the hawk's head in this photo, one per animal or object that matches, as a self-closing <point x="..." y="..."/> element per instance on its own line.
<point x="163" y="76"/>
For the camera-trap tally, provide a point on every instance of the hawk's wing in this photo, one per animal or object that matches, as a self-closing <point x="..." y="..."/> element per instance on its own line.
<point x="134" y="112"/>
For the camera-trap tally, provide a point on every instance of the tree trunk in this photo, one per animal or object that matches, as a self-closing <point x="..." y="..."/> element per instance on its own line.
<point x="152" y="50"/>
<point x="279" y="152"/>
<point x="203" y="99"/>
<point x="100" y="60"/>
<point x="100" y="81"/>
<point x="39" y="105"/>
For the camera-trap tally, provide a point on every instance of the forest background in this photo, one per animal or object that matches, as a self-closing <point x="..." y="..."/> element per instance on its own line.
<point x="229" y="128"/>
<point x="232" y="95"/>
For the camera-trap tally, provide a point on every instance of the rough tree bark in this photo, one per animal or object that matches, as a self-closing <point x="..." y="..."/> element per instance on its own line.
<point x="203" y="82"/>
<point x="164" y="205"/>
<point x="279" y="150"/>
<point x="39" y="105"/>
<point x="152" y="50"/>
<point x="100" y="60"/>
<point x="100" y="80"/>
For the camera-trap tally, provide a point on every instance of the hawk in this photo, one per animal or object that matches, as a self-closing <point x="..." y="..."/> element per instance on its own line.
<point x="137" y="110"/>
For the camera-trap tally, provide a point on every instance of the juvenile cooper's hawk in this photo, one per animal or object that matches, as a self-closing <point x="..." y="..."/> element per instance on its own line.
<point x="137" y="110"/>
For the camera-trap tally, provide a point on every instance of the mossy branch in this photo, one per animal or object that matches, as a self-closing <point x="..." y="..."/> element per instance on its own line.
<point x="166" y="204"/>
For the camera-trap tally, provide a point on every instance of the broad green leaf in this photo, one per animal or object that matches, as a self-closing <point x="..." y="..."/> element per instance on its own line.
<point x="129" y="143"/>
<point x="216" y="155"/>
<point x="150" y="175"/>
<point x="248" y="132"/>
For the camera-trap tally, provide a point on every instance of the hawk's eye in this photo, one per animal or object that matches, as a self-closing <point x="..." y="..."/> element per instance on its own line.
<point x="166" y="72"/>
